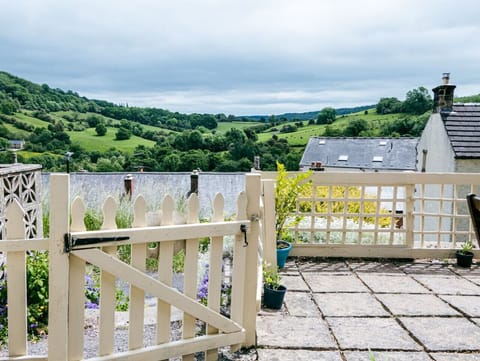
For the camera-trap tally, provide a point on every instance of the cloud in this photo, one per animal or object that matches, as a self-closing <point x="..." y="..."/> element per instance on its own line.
<point x="241" y="56"/>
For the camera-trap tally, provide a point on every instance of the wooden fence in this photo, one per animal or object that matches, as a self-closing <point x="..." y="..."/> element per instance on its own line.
<point x="386" y="215"/>
<point x="72" y="249"/>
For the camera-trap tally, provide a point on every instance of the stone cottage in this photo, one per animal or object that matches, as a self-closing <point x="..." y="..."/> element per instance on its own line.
<point x="450" y="141"/>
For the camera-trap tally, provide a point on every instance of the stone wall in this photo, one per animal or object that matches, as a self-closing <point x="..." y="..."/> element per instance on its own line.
<point x="95" y="187"/>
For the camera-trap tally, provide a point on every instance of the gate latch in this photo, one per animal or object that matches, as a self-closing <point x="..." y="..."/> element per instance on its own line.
<point x="243" y="228"/>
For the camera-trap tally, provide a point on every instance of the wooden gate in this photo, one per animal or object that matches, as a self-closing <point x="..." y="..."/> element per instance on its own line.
<point x="72" y="250"/>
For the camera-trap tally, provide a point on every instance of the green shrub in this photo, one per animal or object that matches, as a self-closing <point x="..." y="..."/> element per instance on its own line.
<point x="93" y="220"/>
<point x="37" y="296"/>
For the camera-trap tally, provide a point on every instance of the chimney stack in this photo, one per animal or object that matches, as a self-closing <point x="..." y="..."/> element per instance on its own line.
<point x="443" y="95"/>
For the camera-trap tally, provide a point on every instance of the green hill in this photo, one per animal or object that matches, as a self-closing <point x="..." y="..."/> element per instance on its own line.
<point x="108" y="137"/>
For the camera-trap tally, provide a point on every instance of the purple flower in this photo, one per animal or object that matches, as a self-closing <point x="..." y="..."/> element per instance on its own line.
<point x="91" y="305"/>
<point x="202" y="292"/>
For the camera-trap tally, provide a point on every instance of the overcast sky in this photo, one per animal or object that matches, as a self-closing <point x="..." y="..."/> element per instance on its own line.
<point x="242" y="56"/>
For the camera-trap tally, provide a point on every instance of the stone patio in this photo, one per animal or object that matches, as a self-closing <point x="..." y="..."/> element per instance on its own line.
<point x="346" y="310"/>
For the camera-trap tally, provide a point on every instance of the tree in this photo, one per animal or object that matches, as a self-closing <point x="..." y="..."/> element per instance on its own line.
<point x="389" y="106"/>
<point x="355" y="127"/>
<point x="93" y="121"/>
<point x="123" y="134"/>
<point x="418" y="101"/>
<point x="326" y="116"/>
<point x="101" y="129"/>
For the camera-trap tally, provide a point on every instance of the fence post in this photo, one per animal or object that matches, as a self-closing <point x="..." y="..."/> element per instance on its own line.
<point x="17" y="283"/>
<point x="409" y="216"/>
<point x="58" y="268"/>
<point x="253" y="187"/>
<point x="269" y="236"/>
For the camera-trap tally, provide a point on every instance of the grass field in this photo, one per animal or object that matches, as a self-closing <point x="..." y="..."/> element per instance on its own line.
<point x="89" y="140"/>
<point x="31" y="120"/>
<point x="224" y="127"/>
<point x="303" y="134"/>
<point x="22" y="134"/>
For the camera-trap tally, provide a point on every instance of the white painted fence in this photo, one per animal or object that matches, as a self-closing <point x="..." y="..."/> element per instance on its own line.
<point x="389" y="215"/>
<point x="71" y="249"/>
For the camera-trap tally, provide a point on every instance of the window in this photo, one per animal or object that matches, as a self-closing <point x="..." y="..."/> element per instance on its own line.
<point x="343" y="157"/>
<point x="377" y="158"/>
<point x="321" y="142"/>
<point x="383" y="143"/>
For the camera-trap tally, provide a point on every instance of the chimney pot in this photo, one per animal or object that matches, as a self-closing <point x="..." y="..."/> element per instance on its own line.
<point x="446" y="78"/>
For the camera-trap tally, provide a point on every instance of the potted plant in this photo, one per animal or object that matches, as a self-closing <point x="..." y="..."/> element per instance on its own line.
<point x="465" y="255"/>
<point x="287" y="190"/>
<point x="273" y="291"/>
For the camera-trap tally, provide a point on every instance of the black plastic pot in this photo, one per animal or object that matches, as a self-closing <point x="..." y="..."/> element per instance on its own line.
<point x="464" y="259"/>
<point x="273" y="298"/>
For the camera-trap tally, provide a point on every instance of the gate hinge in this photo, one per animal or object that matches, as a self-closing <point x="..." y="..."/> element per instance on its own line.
<point x="71" y="241"/>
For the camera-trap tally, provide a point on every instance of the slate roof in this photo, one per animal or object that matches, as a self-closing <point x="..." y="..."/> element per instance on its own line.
<point x="463" y="129"/>
<point x="362" y="153"/>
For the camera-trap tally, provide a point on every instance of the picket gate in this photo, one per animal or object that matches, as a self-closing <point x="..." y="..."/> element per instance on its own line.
<point x="72" y="249"/>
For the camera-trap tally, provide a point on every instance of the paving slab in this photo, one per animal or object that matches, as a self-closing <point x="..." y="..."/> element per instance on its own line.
<point x="382" y="283"/>
<point x="371" y="333"/>
<point x="295" y="355"/>
<point x="470" y="305"/>
<point x="290" y="331"/>
<point x="290" y="268"/>
<point x="455" y="356"/>
<point x="301" y="304"/>
<point x="294" y="283"/>
<point x="349" y="304"/>
<point x="473" y="270"/>
<point x="334" y="283"/>
<point x="387" y="356"/>
<point x="448" y="285"/>
<point x="327" y="266"/>
<point x="437" y="268"/>
<point x="416" y="305"/>
<point x="374" y="267"/>
<point x="444" y="333"/>
<point x="473" y="278"/>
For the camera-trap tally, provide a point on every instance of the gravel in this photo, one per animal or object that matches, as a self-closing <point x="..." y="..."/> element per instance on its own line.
<point x="121" y="340"/>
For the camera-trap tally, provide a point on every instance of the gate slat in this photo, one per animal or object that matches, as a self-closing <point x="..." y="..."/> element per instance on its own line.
<point x="137" y="295"/>
<point x="238" y="267"/>
<point x="106" y="338"/>
<point x="173" y="349"/>
<point x="165" y="273"/>
<point x="157" y="289"/>
<point x="76" y="292"/>
<point x="190" y="272"/>
<point x="215" y="271"/>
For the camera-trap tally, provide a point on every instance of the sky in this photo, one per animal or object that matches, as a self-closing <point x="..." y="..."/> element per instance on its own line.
<point x="242" y="57"/>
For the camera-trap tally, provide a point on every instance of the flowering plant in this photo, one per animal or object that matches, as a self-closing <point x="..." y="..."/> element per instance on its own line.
<point x="271" y="278"/>
<point x="287" y="190"/>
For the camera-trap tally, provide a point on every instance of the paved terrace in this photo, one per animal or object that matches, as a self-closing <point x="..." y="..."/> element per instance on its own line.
<point x="401" y="311"/>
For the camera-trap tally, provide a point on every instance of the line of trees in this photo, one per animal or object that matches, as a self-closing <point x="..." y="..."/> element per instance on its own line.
<point x="417" y="101"/>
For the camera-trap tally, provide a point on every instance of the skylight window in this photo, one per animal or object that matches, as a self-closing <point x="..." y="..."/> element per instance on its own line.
<point x="343" y="157"/>
<point x="383" y="143"/>
<point x="321" y="141"/>
<point x="378" y="158"/>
